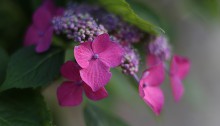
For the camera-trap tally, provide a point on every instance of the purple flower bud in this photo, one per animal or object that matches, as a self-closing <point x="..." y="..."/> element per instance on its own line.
<point x="129" y="33"/>
<point x="160" y="48"/>
<point x="130" y="61"/>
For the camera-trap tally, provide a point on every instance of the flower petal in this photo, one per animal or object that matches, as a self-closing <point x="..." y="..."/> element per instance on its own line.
<point x="69" y="94"/>
<point x="70" y="70"/>
<point x="49" y="5"/>
<point x="112" y="56"/>
<point x="44" y="43"/>
<point x="101" y="43"/>
<point x="31" y="36"/>
<point x="154" y="76"/>
<point x="98" y="95"/>
<point x="83" y="54"/>
<point x="96" y="75"/>
<point x="59" y="11"/>
<point x="180" y="66"/>
<point x="42" y="18"/>
<point x="153" y="97"/>
<point x="152" y="60"/>
<point x="177" y="87"/>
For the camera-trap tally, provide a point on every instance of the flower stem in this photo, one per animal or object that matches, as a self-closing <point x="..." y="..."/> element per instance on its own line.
<point x="136" y="77"/>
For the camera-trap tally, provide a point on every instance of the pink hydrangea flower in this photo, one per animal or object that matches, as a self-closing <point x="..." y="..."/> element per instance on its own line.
<point x="70" y="92"/>
<point x="40" y="31"/>
<point x="149" y="87"/>
<point x="96" y="58"/>
<point x="179" y="68"/>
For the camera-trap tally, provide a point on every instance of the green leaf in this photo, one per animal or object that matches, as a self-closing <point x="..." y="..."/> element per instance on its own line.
<point x="28" y="69"/>
<point x="123" y="9"/>
<point x="145" y="12"/>
<point x="23" y="108"/>
<point x="3" y="64"/>
<point x="95" y="116"/>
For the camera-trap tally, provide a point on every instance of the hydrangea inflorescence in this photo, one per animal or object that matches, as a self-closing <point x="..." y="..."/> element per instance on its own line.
<point x="79" y="26"/>
<point x="106" y="41"/>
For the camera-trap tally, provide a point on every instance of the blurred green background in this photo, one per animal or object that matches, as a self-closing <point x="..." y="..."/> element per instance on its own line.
<point x="193" y="27"/>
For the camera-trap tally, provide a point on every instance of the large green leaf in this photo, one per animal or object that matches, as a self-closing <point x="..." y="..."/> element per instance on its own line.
<point x="3" y="64"/>
<point x="146" y="12"/>
<point x="95" y="116"/>
<point x="23" y="108"/>
<point x="123" y="9"/>
<point x="27" y="69"/>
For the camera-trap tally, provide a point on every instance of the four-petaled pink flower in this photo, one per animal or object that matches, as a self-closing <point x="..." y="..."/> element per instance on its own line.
<point x="149" y="87"/>
<point x="70" y="92"/>
<point x="40" y="32"/>
<point x="179" y="68"/>
<point x="96" y="58"/>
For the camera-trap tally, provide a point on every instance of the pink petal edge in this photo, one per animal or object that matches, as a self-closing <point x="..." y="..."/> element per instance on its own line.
<point x="96" y="75"/>
<point x="42" y="18"/>
<point x="83" y="54"/>
<point x="70" y="70"/>
<point x="154" y="98"/>
<point x="101" y="43"/>
<point x="44" y="43"/>
<point x="98" y="95"/>
<point x="112" y="55"/>
<point x="180" y="66"/>
<point x="154" y="76"/>
<point x="177" y="88"/>
<point x="69" y="94"/>
<point x="31" y="36"/>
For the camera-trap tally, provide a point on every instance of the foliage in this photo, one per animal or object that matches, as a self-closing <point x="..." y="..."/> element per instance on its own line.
<point x="23" y="108"/>
<point x="95" y="116"/>
<point x="28" y="69"/>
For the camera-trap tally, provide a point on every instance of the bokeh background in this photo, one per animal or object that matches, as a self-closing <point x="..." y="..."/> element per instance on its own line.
<point x="193" y="27"/>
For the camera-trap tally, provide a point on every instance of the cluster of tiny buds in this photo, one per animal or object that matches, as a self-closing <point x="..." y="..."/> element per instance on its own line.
<point x="130" y="61"/>
<point x="160" y="48"/>
<point x="129" y="33"/>
<point x="77" y="26"/>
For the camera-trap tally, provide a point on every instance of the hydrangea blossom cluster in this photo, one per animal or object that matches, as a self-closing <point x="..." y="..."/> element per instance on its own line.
<point x="77" y="26"/>
<point x="105" y="42"/>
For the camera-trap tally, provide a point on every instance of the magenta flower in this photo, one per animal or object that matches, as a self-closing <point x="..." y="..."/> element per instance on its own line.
<point x="149" y="87"/>
<point x="70" y="92"/>
<point x="179" y="68"/>
<point x="40" y="32"/>
<point x="96" y="58"/>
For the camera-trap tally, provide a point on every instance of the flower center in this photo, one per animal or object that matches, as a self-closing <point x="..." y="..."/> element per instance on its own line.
<point x="95" y="56"/>
<point x="79" y="83"/>
<point x="40" y="33"/>
<point x="144" y="85"/>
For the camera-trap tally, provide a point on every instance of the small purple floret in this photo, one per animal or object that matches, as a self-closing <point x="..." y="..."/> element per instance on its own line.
<point x="160" y="48"/>
<point x="130" y="61"/>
